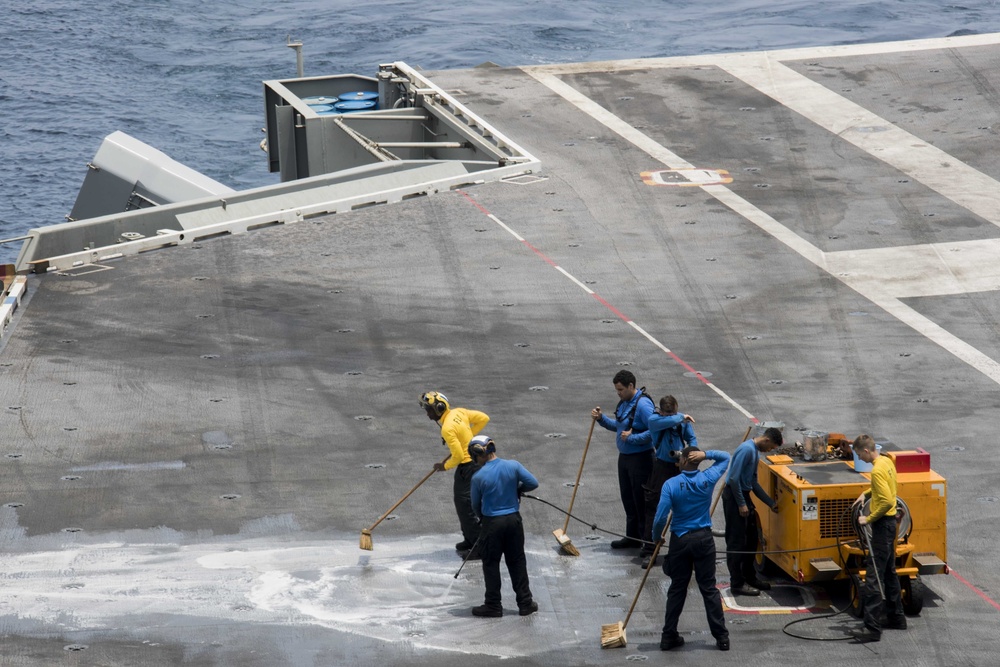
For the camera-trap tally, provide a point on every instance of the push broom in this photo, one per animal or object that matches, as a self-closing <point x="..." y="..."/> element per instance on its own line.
<point x="613" y="634"/>
<point x="719" y="489"/>
<point x="560" y="534"/>
<point x="366" y="534"/>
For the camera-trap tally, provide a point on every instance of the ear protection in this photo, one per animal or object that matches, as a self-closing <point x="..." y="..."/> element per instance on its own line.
<point x="436" y="401"/>
<point x="481" y="446"/>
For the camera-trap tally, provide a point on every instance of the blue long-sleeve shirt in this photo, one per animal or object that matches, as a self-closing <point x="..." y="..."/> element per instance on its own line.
<point x="670" y="435"/>
<point x="689" y="496"/>
<point x="742" y="477"/>
<point x="495" y="487"/>
<point x="641" y="439"/>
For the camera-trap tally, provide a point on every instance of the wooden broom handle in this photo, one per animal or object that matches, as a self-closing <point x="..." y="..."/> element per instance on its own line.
<point x="400" y="502"/>
<point x="579" y="473"/>
<point x="645" y="574"/>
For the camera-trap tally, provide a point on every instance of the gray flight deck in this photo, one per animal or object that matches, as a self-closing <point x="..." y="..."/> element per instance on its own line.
<point x="195" y="437"/>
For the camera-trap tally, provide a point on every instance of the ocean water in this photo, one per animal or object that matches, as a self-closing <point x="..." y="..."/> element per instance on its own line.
<point x="185" y="75"/>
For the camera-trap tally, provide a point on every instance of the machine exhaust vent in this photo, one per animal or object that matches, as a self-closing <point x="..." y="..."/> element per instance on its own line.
<point x="835" y="517"/>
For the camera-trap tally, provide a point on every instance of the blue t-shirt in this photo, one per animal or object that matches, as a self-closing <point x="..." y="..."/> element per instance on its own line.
<point x="641" y="439"/>
<point x="670" y="435"/>
<point x="689" y="496"/>
<point x="495" y="487"/>
<point x="742" y="477"/>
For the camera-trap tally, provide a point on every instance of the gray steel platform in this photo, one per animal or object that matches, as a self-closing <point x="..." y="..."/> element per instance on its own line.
<point x="196" y="437"/>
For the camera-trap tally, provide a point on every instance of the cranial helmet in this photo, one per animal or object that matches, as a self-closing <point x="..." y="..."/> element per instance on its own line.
<point x="435" y="401"/>
<point x="481" y="446"/>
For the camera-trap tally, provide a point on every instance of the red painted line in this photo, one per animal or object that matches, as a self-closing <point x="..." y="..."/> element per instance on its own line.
<point x="975" y="590"/>
<point x="607" y="305"/>
<point x="474" y="202"/>
<point x="540" y="254"/>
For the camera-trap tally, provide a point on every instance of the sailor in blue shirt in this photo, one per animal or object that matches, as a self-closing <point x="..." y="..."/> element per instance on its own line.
<point x="635" y="453"/>
<point x="496" y="493"/>
<point x="692" y="547"/>
<point x="741" y="516"/>
<point x="672" y="432"/>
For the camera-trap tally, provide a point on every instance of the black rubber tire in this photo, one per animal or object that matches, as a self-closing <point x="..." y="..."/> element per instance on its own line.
<point x="913" y="593"/>
<point x="854" y="607"/>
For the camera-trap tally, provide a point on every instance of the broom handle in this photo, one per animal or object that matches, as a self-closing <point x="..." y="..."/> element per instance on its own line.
<point x="400" y="502"/>
<point x="715" y="501"/>
<point x="645" y="574"/>
<point x="579" y="473"/>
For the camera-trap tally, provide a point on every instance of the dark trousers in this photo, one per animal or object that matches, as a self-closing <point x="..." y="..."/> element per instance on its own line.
<point x="504" y="536"/>
<point x="693" y="551"/>
<point x="661" y="472"/>
<point x="882" y="559"/>
<point x="463" y="501"/>
<point x="741" y="535"/>
<point x="633" y="471"/>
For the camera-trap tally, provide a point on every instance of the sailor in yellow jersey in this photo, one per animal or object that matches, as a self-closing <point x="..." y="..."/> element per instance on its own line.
<point x="881" y="561"/>
<point x="458" y="425"/>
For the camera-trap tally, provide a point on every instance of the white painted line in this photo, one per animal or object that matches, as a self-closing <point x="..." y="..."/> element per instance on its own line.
<point x="966" y="186"/>
<point x="509" y="230"/>
<point x="875" y="292"/>
<point x="812" y="52"/>
<point x="579" y="284"/>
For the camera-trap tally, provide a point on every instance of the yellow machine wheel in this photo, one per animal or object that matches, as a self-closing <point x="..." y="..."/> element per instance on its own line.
<point x="913" y="592"/>
<point x="855" y="606"/>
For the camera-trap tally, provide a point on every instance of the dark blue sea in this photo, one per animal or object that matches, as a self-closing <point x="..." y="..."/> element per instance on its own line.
<point x="185" y="75"/>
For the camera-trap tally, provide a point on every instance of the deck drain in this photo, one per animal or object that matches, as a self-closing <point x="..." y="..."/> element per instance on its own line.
<point x="592" y="538"/>
<point x="608" y="321"/>
<point x="624" y="363"/>
<point x="222" y="445"/>
<point x="569" y="143"/>
<point x="710" y="259"/>
<point x="14" y="407"/>
<point x="538" y="388"/>
<point x="335" y="291"/>
<point x="230" y="496"/>
<point x="614" y="595"/>
<point x="569" y="485"/>
<point x="68" y="340"/>
<point x="353" y="373"/>
<point x="636" y="657"/>
<point x="69" y="384"/>
<point x="833" y="237"/>
<point x="751" y="338"/>
<point x="690" y="222"/>
<point x="776" y="381"/>
<point x="243" y="607"/>
<point x="69" y="478"/>
<point x="697" y="374"/>
<point x="923" y="400"/>
<point x="730" y="296"/>
<point x="494" y="268"/>
<point x="555" y="435"/>
<point x="204" y="316"/>
<point x="589" y="282"/>
<point x="73" y="586"/>
<point x="739" y="621"/>
<point x="929" y="215"/>
<point x="326" y="254"/>
<point x="14" y="456"/>
<point x="480" y="230"/>
<point x="345" y="330"/>
<point x="216" y="400"/>
<point x="954" y="448"/>
<point x="522" y="344"/>
<point x="767" y="138"/>
<point x="364" y="418"/>
<point x="69" y="428"/>
<point x="506" y="305"/>
<point x="209" y="356"/>
<point x="625" y="98"/>
<point x="748" y="108"/>
<point x="762" y="185"/>
<point x="72" y="530"/>
<point x="374" y="466"/>
<point x="574" y="245"/>
<point x="987" y="499"/>
<point x="14" y="506"/>
<point x="680" y="205"/>
<point x="75" y="647"/>
<point x="391" y="517"/>
<point x="751" y="170"/>
<point x="199" y="278"/>
<point x="417" y="633"/>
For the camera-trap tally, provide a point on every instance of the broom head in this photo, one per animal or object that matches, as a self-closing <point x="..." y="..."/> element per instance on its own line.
<point x="366" y="540"/>
<point x="613" y="635"/>
<point x="565" y="543"/>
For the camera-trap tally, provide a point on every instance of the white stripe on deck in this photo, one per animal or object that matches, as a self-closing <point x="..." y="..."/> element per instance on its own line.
<point x="878" y="287"/>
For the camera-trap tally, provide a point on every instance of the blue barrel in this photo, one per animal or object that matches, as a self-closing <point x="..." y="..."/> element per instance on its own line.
<point x="320" y="100"/>
<point x="360" y="95"/>
<point x="324" y="109"/>
<point x="353" y="106"/>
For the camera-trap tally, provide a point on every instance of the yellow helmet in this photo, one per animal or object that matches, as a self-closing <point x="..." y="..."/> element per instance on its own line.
<point x="435" y="401"/>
